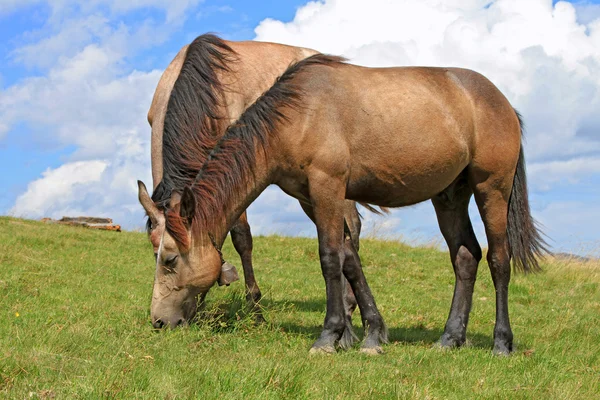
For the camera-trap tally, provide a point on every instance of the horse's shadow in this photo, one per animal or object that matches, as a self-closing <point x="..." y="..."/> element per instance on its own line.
<point x="416" y="334"/>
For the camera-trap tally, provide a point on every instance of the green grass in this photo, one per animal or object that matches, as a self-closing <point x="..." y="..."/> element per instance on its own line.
<point x="74" y="306"/>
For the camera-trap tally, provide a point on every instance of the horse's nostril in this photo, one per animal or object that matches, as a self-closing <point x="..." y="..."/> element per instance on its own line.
<point x="158" y="324"/>
<point x="180" y="322"/>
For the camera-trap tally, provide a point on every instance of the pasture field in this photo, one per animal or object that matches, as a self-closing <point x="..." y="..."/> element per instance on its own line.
<point x="75" y="323"/>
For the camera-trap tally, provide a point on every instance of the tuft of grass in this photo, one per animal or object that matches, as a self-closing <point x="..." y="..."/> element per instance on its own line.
<point x="76" y="324"/>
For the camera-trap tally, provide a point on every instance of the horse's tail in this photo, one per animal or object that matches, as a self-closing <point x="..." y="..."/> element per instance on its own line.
<point x="381" y="211"/>
<point x="524" y="237"/>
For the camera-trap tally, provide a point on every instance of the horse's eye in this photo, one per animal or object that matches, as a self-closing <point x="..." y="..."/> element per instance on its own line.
<point x="155" y="256"/>
<point x="171" y="260"/>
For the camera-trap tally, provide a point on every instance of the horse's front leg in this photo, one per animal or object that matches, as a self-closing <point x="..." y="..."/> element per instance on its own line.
<point x="353" y="224"/>
<point x="242" y="241"/>
<point x="327" y="198"/>
<point x="357" y="290"/>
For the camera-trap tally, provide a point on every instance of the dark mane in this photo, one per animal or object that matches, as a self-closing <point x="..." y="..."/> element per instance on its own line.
<point x="193" y="122"/>
<point x="231" y="163"/>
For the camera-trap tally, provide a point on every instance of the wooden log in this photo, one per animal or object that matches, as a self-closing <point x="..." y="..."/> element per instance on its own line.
<point x="86" y="222"/>
<point x="89" y="220"/>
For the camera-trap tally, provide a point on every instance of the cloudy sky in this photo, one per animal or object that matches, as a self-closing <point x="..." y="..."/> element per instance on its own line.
<point x="76" y="80"/>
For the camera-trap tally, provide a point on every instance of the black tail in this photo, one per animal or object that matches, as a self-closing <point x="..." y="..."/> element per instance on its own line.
<point x="524" y="237"/>
<point x="381" y="211"/>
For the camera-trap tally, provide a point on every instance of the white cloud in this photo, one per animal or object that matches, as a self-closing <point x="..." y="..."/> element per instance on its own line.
<point x="52" y="194"/>
<point x="543" y="175"/>
<point x="82" y="102"/>
<point x="70" y="39"/>
<point x="569" y="225"/>
<point x="71" y="34"/>
<point x="105" y="188"/>
<point x="276" y="212"/>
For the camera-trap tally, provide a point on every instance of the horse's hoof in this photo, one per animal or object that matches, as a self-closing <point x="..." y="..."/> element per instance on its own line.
<point x="440" y="346"/>
<point x="449" y="342"/>
<point x="502" y="347"/>
<point x="371" y="351"/>
<point x="326" y="350"/>
<point x="501" y="351"/>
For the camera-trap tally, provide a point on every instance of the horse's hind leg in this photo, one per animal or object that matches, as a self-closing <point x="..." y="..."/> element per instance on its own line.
<point x="451" y="207"/>
<point x="375" y="329"/>
<point x="492" y="195"/>
<point x="242" y="241"/>
<point x="352" y="236"/>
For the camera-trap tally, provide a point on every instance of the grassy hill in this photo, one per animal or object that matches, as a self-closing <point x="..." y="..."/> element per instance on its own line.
<point x="74" y="306"/>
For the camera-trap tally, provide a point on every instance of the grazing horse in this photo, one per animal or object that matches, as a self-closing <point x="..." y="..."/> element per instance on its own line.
<point x="227" y="77"/>
<point x="327" y="131"/>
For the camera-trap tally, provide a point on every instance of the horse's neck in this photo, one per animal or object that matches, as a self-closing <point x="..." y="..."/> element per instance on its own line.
<point x="158" y="108"/>
<point x="245" y="192"/>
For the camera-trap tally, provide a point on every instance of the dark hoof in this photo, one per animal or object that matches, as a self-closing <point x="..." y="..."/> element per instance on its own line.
<point x="450" y="342"/>
<point x="375" y="336"/>
<point x="325" y="344"/>
<point x="503" y="349"/>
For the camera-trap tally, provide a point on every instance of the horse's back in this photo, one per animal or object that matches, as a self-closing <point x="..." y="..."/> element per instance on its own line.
<point x="448" y="105"/>
<point x="398" y="105"/>
<point x="268" y="52"/>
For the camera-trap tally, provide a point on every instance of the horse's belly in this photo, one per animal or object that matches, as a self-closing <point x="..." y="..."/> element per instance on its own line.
<point x="402" y="185"/>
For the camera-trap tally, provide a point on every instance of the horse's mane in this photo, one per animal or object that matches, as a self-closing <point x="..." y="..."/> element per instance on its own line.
<point x="193" y="123"/>
<point x="230" y="164"/>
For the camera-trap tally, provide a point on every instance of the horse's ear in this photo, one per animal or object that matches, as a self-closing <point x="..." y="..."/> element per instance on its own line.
<point x="147" y="203"/>
<point x="187" y="206"/>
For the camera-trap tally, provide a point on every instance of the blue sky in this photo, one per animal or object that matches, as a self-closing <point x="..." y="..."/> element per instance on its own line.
<point x="76" y="79"/>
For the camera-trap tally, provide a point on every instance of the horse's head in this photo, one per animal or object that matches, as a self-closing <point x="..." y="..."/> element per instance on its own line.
<point x="187" y="265"/>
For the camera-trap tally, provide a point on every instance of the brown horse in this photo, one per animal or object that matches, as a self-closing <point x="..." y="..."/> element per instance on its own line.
<point x="228" y="77"/>
<point x="329" y="131"/>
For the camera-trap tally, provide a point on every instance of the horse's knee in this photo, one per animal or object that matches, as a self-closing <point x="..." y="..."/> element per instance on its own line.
<point x="466" y="264"/>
